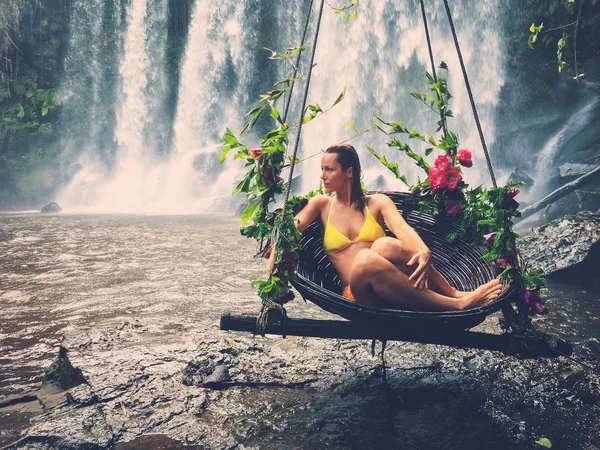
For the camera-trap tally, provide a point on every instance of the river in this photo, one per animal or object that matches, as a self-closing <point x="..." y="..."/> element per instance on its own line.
<point x="136" y="298"/>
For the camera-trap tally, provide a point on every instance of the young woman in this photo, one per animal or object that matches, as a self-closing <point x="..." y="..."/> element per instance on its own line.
<point x="374" y="269"/>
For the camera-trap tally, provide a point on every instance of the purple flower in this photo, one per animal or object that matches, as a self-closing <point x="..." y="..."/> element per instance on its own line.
<point x="489" y="238"/>
<point x="501" y="262"/>
<point x="533" y="302"/>
<point x="452" y="207"/>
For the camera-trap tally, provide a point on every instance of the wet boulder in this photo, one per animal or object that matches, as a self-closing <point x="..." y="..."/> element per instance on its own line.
<point x="567" y="248"/>
<point x="51" y="208"/>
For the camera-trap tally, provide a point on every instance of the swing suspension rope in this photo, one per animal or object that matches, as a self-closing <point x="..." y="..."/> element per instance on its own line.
<point x="268" y="304"/>
<point x="302" y="41"/>
<point x="468" y="85"/>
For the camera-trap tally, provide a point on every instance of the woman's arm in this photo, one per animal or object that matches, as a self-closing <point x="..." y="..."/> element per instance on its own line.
<point x="310" y="212"/>
<point x="410" y="237"/>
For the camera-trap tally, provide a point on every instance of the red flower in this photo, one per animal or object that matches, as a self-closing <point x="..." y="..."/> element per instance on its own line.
<point x="512" y="193"/>
<point x="442" y="162"/>
<point x="464" y="157"/>
<point x="256" y="153"/>
<point x="437" y="178"/>
<point x="454" y="177"/>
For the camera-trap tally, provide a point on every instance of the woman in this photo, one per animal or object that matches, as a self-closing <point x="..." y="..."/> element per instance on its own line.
<point x="374" y="269"/>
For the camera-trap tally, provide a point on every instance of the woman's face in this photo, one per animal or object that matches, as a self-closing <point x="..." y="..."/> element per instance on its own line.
<point x="333" y="176"/>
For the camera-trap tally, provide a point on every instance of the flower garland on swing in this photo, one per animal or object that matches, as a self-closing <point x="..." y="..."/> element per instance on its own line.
<point x="484" y="215"/>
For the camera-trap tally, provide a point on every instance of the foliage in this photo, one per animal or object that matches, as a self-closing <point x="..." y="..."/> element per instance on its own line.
<point x="483" y="215"/>
<point x="29" y="107"/>
<point x="349" y="10"/>
<point x="263" y="185"/>
<point x="578" y="18"/>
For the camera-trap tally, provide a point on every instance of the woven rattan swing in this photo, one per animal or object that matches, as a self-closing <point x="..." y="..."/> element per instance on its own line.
<point x="460" y="263"/>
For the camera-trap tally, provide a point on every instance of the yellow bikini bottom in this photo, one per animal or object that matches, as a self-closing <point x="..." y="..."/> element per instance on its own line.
<point x="347" y="294"/>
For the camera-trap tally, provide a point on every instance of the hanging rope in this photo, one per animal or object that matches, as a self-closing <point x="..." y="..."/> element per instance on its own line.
<point x="268" y="305"/>
<point x="287" y="106"/>
<point x="442" y="115"/>
<point x="473" y="107"/>
<point x="300" y="122"/>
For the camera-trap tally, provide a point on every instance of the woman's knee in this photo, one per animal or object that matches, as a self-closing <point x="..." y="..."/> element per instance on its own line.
<point x="392" y="249"/>
<point x="365" y="262"/>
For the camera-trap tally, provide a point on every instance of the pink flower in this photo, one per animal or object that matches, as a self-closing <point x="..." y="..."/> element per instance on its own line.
<point x="453" y="177"/>
<point x="501" y="262"/>
<point x="256" y="153"/>
<point x="452" y="207"/>
<point x="489" y="238"/>
<point x="437" y="179"/>
<point x="442" y="162"/>
<point x="464" y="157"/>
<point x="513" y="193"/>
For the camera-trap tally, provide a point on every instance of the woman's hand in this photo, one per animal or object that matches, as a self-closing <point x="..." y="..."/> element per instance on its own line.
<point x="421" y="273"/>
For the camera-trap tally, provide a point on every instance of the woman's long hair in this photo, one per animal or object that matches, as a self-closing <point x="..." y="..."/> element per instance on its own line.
<point x="347" y="157"/>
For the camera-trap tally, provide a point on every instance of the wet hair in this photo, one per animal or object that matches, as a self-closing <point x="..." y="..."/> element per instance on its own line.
<point x="347" y="157"/>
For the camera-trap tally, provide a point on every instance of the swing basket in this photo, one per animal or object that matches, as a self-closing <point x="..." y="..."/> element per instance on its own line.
<point x="460" y="263"/>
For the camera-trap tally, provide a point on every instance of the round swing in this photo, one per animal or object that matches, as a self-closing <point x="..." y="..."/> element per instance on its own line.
<point x="460" y="263"/>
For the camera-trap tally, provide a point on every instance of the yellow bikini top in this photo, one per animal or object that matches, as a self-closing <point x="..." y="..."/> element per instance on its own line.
<point x="335" y="241"/>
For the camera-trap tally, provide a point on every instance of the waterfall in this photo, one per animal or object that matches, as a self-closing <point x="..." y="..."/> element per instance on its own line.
<point x="380" y="59"/>
<point x="118" y="176"/>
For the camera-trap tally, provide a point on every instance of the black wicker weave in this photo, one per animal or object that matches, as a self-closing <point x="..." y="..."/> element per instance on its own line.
<point x="461" y="264"/>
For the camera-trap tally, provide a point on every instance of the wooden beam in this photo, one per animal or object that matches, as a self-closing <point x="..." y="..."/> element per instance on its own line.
<point x="561" y="192"/>
<point x="339" y="329"/>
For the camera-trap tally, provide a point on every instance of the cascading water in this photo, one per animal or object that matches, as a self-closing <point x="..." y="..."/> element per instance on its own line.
<point x="380" y="58"/>
<point x="129" y="181"/>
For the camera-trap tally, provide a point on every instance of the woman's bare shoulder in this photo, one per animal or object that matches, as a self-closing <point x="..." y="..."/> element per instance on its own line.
<point x="379" y="200"/>
<point x="319" y="202"/>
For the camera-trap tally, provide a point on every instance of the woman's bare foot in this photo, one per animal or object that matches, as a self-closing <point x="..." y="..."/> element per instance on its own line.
<point x="482" y="295"/>
<point x="459" y="294"/>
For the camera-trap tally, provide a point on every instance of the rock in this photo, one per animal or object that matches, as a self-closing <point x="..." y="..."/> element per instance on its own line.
<point x="51" y="208"/>
<point x="62" y="373"/>
<point x="569" y="170"/>
<point x="197" y="371"/>
<point x="520" y="175"/>
<point x="219" y="375"/>
<point x="567" y="248"/>
<point x="580" y="200"/>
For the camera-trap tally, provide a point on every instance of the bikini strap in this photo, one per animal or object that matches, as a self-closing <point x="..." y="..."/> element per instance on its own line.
<point x="330" y="208"/>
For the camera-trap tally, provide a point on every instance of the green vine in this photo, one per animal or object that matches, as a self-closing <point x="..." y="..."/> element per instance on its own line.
<point x="275" y="230"/>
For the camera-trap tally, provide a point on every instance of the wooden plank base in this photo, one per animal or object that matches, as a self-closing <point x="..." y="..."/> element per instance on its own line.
<point x="338" y="329"/>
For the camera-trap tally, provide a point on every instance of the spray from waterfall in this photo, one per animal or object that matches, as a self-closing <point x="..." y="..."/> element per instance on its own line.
<point x="380" y="58"/>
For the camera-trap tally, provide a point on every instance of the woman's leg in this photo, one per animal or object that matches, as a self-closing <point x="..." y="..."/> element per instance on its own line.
<point x="398" y="253"/>
<point x="375" y="281"/>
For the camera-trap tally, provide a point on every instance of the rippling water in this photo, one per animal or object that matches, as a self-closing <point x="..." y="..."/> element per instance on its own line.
<point x="65" y="271"/>
<point x="136" y="296"/>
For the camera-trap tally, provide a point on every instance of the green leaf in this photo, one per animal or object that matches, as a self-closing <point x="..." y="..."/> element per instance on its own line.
<point x="340" y="97"/>
<point x="428" y="151"/>
<point x="392" y="166"/>
<point x="275" y="115"/>
<point x="352" y="127"/>
<point x="544" y="442"/>
<point x="249" y="213"/>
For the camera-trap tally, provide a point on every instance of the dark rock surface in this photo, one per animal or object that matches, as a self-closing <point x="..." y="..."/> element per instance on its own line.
<point x="62" y="373"/>
<point x="566" y="247"/>
<point x="51" y="208"/>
